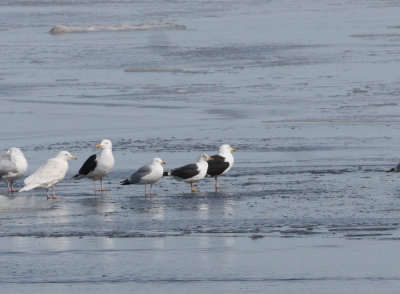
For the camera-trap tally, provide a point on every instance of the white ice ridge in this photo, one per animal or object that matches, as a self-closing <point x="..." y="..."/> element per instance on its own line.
<point x="22" y="203"/>
<point x="63" y="29"/>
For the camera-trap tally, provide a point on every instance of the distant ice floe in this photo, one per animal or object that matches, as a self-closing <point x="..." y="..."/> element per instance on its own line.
<point x="63" y="29"/>
<point x="165" y="70"/>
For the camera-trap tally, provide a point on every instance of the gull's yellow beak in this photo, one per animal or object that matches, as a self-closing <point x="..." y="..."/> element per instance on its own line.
<point x="233" y="149"/>
<point x="163" y="162"/>
<point x="74" y="157"/>
<point x="99" y="146"/>
<point x="5" y="155"/>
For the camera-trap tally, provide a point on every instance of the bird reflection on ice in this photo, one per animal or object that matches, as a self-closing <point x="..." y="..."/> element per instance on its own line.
<point x="158" y="212"/>
<point x="228" y="208"/>
<point x="204" y="211"/>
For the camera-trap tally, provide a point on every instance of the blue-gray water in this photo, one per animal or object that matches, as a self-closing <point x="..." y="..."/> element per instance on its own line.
<point x="307" y="91"/>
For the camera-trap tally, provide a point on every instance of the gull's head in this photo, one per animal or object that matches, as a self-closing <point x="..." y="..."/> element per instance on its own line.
<point x="12" y="152"/>
<point x="225" y="149"/>
<point x="66" y="155"/>
<point x="105" y="144"/>
<point x="158" y="160"/>
<point x="204" y="157"/>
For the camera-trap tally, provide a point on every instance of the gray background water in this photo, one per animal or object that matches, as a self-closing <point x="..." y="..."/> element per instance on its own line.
<point x="307" y="91"/>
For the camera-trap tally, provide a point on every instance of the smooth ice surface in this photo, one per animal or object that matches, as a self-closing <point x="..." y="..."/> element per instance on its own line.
<point x="307" y="91"/>
<point x="198" y="264"/>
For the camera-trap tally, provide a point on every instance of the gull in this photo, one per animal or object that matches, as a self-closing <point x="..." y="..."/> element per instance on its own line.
<point x="147" y="174"/>
<point x="49" y="174"/>
<point x="222" y="163"/>
<point x="13" y="168"/>
<point x="99" y="165"/>
<point x="191" y="173"/>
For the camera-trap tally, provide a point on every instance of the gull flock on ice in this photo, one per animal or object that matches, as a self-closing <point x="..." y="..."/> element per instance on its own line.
<point x="98" y="166"/>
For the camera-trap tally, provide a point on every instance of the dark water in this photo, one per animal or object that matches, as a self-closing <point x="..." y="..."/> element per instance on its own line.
<point x="306" y="91"/>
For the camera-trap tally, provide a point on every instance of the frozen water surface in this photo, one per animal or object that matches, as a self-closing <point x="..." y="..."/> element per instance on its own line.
<point x="307" y="91"/>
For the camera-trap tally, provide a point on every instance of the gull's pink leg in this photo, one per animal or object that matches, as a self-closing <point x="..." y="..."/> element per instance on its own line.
<point x="152" y="194"/>
<point x="54" y="192"/>
<point x="102" y="187"/>
<point x="12" y="187"/>
<point x="193" y="188"/>
<point x="216" y="185"/>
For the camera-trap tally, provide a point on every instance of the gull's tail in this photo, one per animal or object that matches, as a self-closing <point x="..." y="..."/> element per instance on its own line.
<point x="77" y="177"/>
<point x="126" y="182"/>
<point x="28" y="187"/>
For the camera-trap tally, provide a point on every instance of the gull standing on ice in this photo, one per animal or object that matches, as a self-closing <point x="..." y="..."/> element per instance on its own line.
<point x="99" y="165"/>
<point x="49" y="174"/>
<point x="13" y="168"/>
<point x="147" y="174"/>
<point x="191" y="173"/>
<point x="222" y="163"/>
